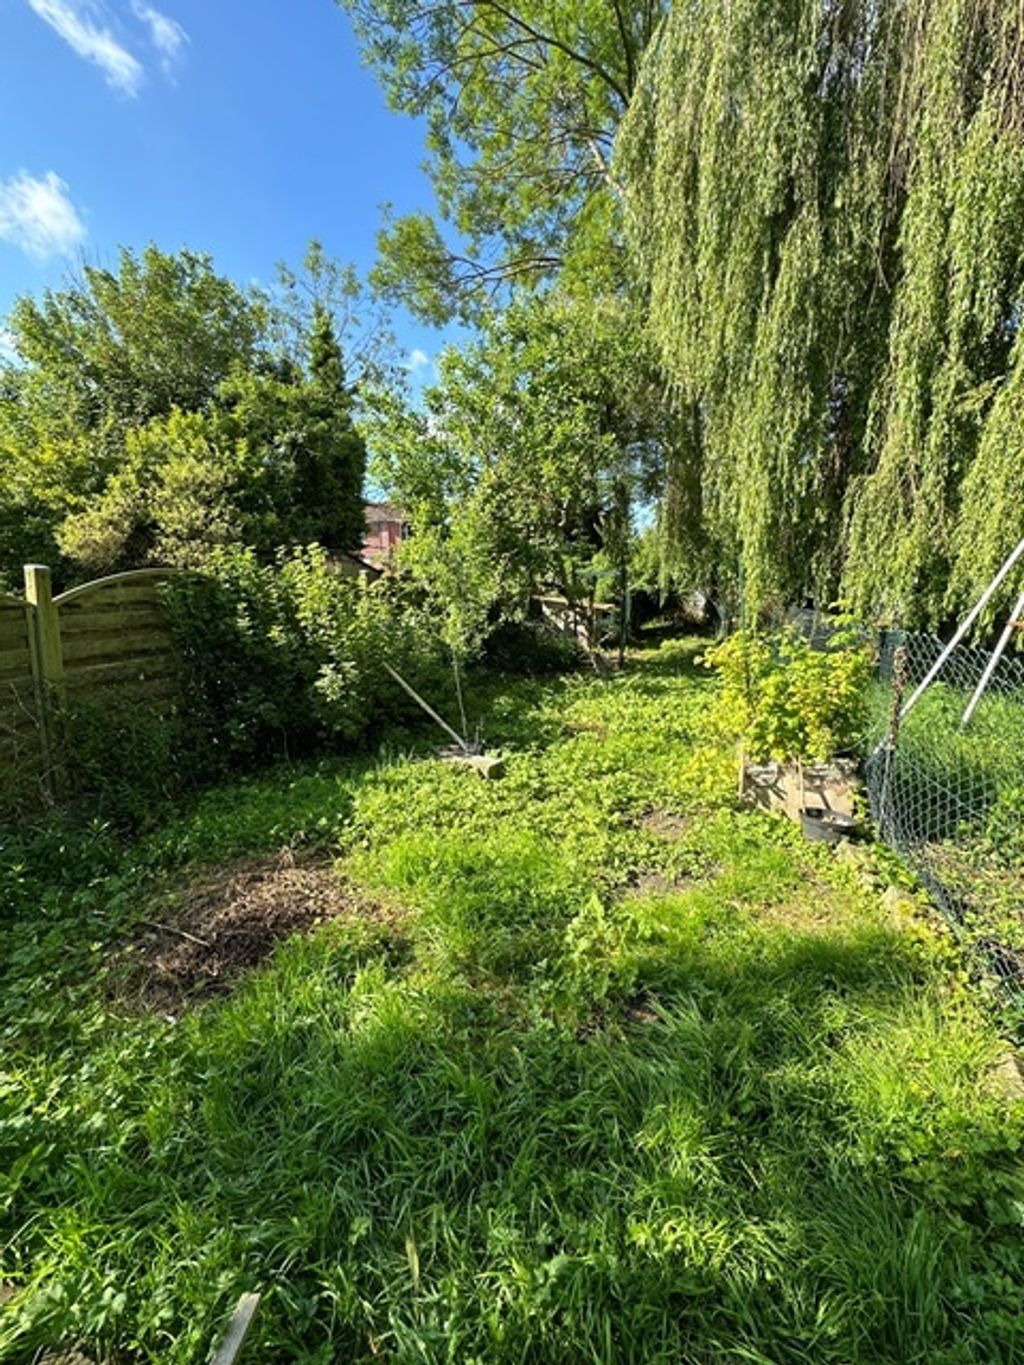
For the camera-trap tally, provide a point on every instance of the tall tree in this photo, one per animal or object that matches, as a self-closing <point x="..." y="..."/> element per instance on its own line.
<point x="276" y="460"/>
<point x="523" y="99"/>
<point x="162" y="330"/>
<point x="825" y="204"/>
<point x="155" y="410"/>
<point x="533" y="448"/>
<point x="362" y="325"/>
<point x="330" y="474"/>
<point x="94" y="361"/>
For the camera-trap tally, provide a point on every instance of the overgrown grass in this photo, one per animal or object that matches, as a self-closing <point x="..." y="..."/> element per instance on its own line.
<point x="608" y="1089"/>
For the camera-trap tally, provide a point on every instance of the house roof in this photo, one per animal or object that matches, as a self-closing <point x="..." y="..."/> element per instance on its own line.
<point x="353" y="564"/>
<point x="382" y="511"/>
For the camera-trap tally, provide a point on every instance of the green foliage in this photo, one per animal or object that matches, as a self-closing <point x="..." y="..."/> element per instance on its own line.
<point x="541" y="1108"/>
<point x="522" y="101"/>
<point x="161" y="331"/>
<point x="158" y="411"/>
<point x="323" y="285"/>
<point x="526" y="460"/>
<point x="276" y="461"/>
<point x="109" y="353"/>
<point x="824" y="207"/>
<point x="531" y="648"/>
<point x="126" y="761"/>
<point x="287" y="657"/>
<point x="785" y="699"/>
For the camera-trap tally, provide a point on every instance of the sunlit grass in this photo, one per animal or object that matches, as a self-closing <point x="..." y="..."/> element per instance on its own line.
<point x="544" y="1112"/>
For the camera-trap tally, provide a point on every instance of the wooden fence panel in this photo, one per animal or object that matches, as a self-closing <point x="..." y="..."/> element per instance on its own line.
<point x="116" y="638"/>
<point x="107" y="641"/>
<point x="23" y="758"/>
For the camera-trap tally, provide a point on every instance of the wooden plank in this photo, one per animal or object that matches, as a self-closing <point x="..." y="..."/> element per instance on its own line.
<point x="88" y="622"/>
<point x="117" y="646"/>
<point x="112" y="599"/>
<point x="15" y="664"/>
<point x="118" y="665"/>
<point x="118" y="595"/>
<point x="13" y="630"/>
<point x="234" y="1339"/>
<point x="131" y="580"/>
<point x="88" y="677"/>
<point x="39" y="591"/>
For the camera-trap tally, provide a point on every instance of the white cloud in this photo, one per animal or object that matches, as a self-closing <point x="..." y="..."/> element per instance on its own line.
<point x="37" y="215"/>
<point x="417" y="360"/>
<point x="81" y="24"/>
<point x="7" y="351"/>
<point x="165" y="33"/>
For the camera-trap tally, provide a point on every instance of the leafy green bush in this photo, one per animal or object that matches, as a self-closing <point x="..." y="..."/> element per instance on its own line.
<point x="124" y="757"/>
<point x="787" y="700"/>
<point x="531" y="649"/>
<point x="288" y="657"/>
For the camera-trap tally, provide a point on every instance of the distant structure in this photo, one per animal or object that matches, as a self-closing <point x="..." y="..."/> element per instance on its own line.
<point x="385" y="531"/>
<point x="353" y="566"/>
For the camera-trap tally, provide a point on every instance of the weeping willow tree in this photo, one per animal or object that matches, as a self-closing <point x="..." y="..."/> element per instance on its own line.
<point x="825" y="200"/>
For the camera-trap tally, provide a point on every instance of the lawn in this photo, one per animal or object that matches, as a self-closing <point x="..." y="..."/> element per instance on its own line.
<point x="584" y="1065"/>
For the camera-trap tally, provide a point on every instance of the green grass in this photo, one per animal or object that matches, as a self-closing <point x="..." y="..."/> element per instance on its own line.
<point x="542" y="1114"/>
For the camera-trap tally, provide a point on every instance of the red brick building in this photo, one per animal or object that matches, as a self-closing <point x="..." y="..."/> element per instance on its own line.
<point x="385" y="530"/>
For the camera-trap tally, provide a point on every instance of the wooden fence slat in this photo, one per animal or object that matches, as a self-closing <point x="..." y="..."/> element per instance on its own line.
<point x="15" y="665"/>
<point x="88" y="676"/>
<point x="113" y="599"/>
<point x="116" y="646"/>
<point x="132" y="580"/>
<point x="91" y="622"/>
<point x="105" y="640"/>
<point x="121" y="596"/>
<point x="13" y="630"/>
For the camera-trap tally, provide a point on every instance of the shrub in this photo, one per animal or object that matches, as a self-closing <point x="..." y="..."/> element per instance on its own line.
<point x="531" y="649"/>
<point x="125" y="758"/>
<point x="787" y="700"/>
<point x="288" y="657"/>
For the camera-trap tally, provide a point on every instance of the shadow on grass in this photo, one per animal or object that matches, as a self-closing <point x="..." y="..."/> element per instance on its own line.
<point x="420" y="1170"/>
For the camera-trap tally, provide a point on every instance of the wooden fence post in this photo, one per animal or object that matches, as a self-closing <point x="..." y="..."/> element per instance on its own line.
<point x="48" y="660"/>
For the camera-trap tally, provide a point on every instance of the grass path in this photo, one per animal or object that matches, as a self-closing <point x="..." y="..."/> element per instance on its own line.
<point x="623" y="1075"/>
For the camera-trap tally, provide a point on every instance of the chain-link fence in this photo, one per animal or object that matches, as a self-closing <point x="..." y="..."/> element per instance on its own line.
<point x="949" y="795"/>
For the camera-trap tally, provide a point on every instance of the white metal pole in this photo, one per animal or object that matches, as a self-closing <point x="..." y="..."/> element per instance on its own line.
<point x="963" y="628"/>
<point x="997" y="654"/>
<point x="463" y="744"/>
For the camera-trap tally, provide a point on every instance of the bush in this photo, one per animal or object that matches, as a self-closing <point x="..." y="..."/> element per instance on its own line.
<point x="126" y="759"/>
<point x="787" y="700"/>
<point x="287" y="658"/>
<point x="531" y="649"/>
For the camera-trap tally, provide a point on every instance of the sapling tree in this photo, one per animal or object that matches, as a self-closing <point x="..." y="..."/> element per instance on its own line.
<point x="535" y="443"/>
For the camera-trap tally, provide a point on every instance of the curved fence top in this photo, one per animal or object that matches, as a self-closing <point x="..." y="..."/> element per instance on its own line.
<point x="113" y="580"/>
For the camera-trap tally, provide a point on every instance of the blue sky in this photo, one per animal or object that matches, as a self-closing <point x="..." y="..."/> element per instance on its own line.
<point x="238" y="127"/>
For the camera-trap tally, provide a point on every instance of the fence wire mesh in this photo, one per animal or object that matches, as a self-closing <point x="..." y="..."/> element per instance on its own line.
<point x="950" y="796"/>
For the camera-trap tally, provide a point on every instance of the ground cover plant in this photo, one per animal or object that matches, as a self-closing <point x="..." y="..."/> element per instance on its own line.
<point x="585" y="1064"/>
